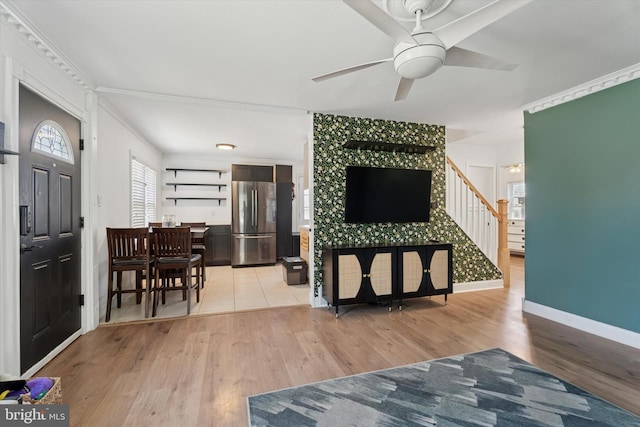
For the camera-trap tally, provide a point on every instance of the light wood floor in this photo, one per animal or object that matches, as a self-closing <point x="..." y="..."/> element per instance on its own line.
<point x="198" y="371"/>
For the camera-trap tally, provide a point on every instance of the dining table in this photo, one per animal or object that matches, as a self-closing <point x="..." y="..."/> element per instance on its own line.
<point x="196" y="231"/>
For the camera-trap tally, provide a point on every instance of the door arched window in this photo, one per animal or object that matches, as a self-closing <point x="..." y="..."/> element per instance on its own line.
<point x="50" y="139"/>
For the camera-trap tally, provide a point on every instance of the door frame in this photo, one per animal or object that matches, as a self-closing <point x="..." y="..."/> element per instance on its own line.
<point x="14" y="75"/>
<point x="491" y="170"/>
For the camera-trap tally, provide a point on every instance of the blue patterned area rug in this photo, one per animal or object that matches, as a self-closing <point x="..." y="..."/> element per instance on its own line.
<point x="488" y="388"/>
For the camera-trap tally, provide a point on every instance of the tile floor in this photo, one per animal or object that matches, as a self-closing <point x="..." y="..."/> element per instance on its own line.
<point x="226" y="290"/>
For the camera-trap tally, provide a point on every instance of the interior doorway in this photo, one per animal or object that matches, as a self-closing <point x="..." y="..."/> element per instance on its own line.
<point x="484" y="179"/>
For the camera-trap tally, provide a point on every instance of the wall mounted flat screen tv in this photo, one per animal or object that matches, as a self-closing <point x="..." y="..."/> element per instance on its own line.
<point x="379" y="195"/>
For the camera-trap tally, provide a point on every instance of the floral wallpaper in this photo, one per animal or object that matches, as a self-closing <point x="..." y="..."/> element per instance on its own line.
<point x="329" y="162"/>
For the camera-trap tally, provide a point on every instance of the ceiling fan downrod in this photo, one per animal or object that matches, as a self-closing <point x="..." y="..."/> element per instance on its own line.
<point x="419" y="26"/>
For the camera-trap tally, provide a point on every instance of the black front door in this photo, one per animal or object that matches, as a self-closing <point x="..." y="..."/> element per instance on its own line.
<point x="50" y="238"/>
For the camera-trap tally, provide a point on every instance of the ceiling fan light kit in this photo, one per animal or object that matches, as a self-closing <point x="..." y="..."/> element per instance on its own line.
<point x="417" y="61"/>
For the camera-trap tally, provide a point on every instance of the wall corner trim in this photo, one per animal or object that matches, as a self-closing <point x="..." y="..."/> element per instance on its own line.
<point x="593" y="86"/>
<point x="318" y="302"/>
<point x="613" y="333"/>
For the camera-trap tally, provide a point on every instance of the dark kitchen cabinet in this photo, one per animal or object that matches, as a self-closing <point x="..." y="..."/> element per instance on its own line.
<point x="284" y="200"/>
<point x="218" y="243"/>
<point x="252" y="173"/>
<point x="284" y="173"/>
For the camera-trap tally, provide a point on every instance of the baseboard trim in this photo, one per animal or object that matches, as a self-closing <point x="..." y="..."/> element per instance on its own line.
<point x="613" y="333"/>
<point x="317" y="302"/>
<point x="477" y="286"/>
<point x="49" y="357"/>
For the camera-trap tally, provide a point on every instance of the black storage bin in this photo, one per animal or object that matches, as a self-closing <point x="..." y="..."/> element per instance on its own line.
<point x="294" y="270"/>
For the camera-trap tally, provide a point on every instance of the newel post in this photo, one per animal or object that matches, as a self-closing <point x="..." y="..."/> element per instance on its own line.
<point x="504" y="255"/>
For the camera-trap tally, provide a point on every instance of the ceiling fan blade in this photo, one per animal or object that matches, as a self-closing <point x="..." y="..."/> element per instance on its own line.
<point x="467" y="58"/>
<point x="380" y="19"/>
<point x="403" y="88"/>
<point x="350" y="70"/>
<point x="458" y="30"/>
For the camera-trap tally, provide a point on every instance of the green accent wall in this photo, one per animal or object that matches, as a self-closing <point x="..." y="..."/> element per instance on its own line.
<point x="329" y="162"/>
<point x="583" y="206"/>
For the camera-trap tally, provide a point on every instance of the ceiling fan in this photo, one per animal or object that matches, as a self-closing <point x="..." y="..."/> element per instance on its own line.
<point x="420" y="52"/>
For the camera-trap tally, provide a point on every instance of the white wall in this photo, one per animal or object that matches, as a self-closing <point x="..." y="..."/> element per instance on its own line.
<point x="478" y="163"/>
<point x="510" y="154"/>
<point x="117" y="143"/>
<point x="468" y="155"/>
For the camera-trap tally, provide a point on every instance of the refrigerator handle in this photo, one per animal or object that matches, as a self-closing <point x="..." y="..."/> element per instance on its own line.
<point x="255" y="207"/>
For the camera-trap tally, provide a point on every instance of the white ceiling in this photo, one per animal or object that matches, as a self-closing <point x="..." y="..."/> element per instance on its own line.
<point x="188" y="74"/>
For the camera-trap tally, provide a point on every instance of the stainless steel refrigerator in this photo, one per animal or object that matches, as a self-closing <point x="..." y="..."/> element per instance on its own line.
<point x="253" y="223"/>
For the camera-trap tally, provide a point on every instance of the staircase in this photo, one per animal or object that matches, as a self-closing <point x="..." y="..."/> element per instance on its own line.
<point x="485" y="226"/>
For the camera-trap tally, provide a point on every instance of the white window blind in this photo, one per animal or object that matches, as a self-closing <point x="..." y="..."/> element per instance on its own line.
<point x="143" y="194"/>
<point x="305" y="205"/>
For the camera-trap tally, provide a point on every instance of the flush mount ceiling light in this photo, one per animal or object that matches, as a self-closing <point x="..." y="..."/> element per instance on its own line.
<point x="225" y="146"/>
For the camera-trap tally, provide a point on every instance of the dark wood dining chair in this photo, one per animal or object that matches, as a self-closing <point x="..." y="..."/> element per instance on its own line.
<point x="128" y="251"/>
<point x="172" y="254"/>
<point x="198" y="247"/>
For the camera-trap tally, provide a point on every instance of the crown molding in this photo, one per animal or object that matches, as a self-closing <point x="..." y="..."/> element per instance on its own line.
<point x="156" y="96"/>
<point x="593" y="86"/>
<point x="26" y="30"/>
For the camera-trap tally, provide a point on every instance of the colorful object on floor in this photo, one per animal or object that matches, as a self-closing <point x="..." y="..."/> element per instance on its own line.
<point x="35" y="388"/>
<point x="12" y="388"/>
<point x="18" y="392"/>
<point x="39" y="386"/>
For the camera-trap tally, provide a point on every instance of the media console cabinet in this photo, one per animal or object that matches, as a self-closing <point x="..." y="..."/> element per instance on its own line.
<point x="384" y="272"/>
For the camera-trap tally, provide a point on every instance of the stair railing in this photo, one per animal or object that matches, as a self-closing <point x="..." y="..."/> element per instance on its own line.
<point x="485" y="226"/>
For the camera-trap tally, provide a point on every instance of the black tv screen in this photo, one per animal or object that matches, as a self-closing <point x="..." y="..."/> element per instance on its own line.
<point x="377" y="195"/>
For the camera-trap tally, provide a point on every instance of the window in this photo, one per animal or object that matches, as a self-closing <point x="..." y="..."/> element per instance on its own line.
<point x="305" y="206"/>
<point x="51" y="140"/>
<point x="299" y="203"/>
<point x="143" y="194"/>
<point x="516" y="197"/>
